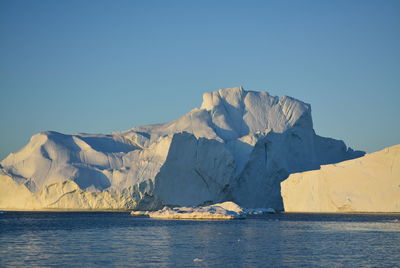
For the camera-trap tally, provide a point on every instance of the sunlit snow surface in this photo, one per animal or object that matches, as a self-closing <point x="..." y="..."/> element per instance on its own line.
<point x="369" y="184"/>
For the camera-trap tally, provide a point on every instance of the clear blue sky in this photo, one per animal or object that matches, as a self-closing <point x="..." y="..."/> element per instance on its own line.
<point x="103" y="66"/>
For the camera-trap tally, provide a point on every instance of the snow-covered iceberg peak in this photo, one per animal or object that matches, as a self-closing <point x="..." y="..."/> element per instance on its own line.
<point x="234" y="96"/>
<point x="236" y="112"/>
<point x="229" y="114"/>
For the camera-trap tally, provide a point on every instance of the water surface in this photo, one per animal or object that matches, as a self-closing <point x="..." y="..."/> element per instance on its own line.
<point x="90" y="239"/>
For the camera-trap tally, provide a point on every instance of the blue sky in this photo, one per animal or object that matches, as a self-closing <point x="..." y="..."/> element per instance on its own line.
<point x="103" y="66"/>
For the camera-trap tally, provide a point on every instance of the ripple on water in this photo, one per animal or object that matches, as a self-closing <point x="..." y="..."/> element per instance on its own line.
<point x="118" y="239"/>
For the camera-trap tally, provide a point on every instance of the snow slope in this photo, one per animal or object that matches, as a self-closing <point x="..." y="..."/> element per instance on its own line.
<point x="239" y="145"/>
<point x="367" y="184"/>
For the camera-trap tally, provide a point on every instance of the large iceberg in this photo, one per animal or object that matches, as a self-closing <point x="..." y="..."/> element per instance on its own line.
<point x="367" y="184"/>
<point x="239" y="145"/>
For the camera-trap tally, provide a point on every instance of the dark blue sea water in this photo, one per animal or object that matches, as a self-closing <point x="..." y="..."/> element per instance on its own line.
<point x="96" y="239"/>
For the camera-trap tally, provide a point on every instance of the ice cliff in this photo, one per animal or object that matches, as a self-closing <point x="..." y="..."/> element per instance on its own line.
<point x="238" y="146"/>
<point x="367" y="184"/>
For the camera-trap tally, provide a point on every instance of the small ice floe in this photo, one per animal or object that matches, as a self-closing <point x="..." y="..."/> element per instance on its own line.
<point x="222" y="211"/>
<point x="259" y="211"/>
<point x="139" y="213"/>
<point x="198" y="260"/>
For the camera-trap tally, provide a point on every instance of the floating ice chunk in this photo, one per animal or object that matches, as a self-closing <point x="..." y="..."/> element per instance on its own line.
<point x="259" y="211"/>
<point x="230" y="206"/>
<point x="221" y="211"/>
<point x="225" y="210"/>
<point x="139" y="213"/>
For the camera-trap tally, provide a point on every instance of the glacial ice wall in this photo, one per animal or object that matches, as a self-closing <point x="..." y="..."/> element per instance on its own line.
<point x="239" y="145"/>
<point x="367" y="184"/>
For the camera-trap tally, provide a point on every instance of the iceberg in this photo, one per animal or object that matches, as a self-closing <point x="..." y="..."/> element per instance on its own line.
<point x="238" y="145"/>
<point x="367" y="184"/>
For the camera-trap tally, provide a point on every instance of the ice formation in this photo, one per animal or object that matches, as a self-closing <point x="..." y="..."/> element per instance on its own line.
<point x="221" y="211"/>
<point x="239" y="145"/>
<point x="367" y="184"/>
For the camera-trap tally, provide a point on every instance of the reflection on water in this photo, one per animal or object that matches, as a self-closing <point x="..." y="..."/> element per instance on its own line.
<point x="118" y="239"/>
<point x="391" y="226"/>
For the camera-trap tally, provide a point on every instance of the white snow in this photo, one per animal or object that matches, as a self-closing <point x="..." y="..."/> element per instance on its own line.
<point x="367" y="184"/>
<point x="239" y="145"/>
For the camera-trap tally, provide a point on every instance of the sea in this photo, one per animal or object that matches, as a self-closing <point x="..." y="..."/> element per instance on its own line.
<point x="117" y="239"/>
